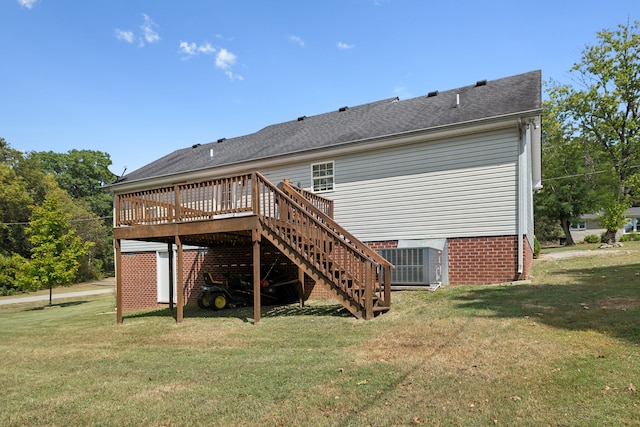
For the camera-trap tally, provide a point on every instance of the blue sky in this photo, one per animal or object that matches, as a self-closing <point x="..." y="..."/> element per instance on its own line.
<point x="140" y="78"/>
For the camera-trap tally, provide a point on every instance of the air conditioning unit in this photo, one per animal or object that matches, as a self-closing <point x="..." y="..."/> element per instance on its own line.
<point x="420" y="266"/>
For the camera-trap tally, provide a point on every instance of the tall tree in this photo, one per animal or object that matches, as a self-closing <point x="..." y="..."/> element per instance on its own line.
<point x="569" y="175"/>
<point x="14" y="212"/>
<point x="82" y="173"/>
<point x="56" y="250"/>
<point x="605" y="109"/>
<point x="26" y="168"/>
<point x="91" y="228"/>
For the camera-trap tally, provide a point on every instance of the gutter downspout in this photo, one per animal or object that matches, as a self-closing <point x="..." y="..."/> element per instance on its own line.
<point x="536" y="154"/>
<point x="525" y="140"/>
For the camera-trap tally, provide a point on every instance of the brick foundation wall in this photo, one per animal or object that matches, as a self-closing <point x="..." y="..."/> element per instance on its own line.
<point x="139" y="275"/>
<point x="480" y="260"/>
<point x="387" y="244"/>
<point x="472" y="261"/>
<point x="485" y="260"/>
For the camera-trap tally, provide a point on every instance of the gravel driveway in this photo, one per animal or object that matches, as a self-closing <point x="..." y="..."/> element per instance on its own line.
<point x="578" y="253"/>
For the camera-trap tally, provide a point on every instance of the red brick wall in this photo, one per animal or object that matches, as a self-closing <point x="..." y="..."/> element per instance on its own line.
<point x="476" y="260"/>
<point x="388" y="244"/>
<point x="481" y="260"/>
<point x="139" y="275"/>
<point x="485" y="260"/>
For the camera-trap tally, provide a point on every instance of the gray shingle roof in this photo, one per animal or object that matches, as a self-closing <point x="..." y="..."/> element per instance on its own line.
<point x="494" y="98"/>
<point x="632" y="212"/>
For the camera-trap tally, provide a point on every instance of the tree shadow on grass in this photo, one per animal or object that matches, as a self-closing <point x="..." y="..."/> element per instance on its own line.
<point x="601" y="299"/>
<point x="57" y="305"/>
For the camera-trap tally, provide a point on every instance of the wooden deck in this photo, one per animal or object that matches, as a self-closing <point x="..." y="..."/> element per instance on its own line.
<point x="299" y="223"/>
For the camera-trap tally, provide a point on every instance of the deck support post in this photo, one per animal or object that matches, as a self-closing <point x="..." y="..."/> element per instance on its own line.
<point x="387" y="284"/>
<point x="171" y="296"/>
<point x="118" y="267"/>
<point x="256" y="237"/>
<point x="180" y="287"/>
<point x="368" y="291"/>
<point x="301" y="289"/>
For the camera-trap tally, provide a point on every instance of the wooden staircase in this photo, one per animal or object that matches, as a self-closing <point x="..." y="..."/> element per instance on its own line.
<point x="299" y="224"/>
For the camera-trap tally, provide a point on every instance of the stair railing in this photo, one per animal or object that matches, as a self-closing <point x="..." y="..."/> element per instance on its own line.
<point x="354" y="273"/>
<point x="310" y="202"/>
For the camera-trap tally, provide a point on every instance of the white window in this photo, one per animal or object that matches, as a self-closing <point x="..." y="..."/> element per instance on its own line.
<point x="322" y="176"/>
<point x="578" y="226"/>
<point x="633" y="226"/>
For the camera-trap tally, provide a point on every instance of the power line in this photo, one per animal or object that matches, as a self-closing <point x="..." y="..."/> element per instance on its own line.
<point x="71" y="220"/>
<point x="582" y="174"/>
<point x="572" y="176"/>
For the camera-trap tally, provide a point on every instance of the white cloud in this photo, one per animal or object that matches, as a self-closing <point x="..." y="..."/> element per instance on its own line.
<point x="148" y="32"/>
<point x="206" y="48"/>
<point x="189" y="50"/>
<point x="345" y="46"/>
<point x="27" y="3"/>
<point x="297" y="40"/>
<point x="233" y="76"/>
<point x="125" y="35"/>
<point x="225" y="60"/>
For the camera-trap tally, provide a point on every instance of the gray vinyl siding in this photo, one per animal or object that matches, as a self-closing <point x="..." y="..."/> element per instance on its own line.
<point x="459" y="187"/>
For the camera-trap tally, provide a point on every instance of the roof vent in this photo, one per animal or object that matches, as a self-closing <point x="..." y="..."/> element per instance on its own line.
<point x="221" y="140"/>
<point x="432" y="94"/>
<point x="341" y="109"/>
<point x="481" y="83"/>
<point x="195" y="146"/>
<point x="301" y="118"/>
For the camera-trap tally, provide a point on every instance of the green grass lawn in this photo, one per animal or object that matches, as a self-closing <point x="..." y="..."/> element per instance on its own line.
<point x="561" y="350"/>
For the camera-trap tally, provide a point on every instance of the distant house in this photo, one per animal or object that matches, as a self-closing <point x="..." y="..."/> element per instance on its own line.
<point x="440" y="185"/>
<point x="589" y="224"/>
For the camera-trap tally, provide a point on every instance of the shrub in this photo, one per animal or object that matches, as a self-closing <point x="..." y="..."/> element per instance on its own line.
<point x="630" y="237"/>
<point x="10" y="267"/>
<point x="591" y="238"/>
<point x="536" y="247"/>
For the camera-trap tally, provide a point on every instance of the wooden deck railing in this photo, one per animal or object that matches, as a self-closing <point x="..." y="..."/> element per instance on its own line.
<point x="300" y="220"/>
<point x="193" y="201"/>
<point x="322" y="204"/>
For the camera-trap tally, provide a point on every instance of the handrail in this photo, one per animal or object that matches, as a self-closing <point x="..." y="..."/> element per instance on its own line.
<point x="337" y="258"/>
<point x="322" y="204"/>
<point x="182" y="202"/>
<point x="292" y="190"/>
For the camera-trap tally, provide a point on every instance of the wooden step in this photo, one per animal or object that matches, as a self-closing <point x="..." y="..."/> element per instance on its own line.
<point x="317" y="266"/>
